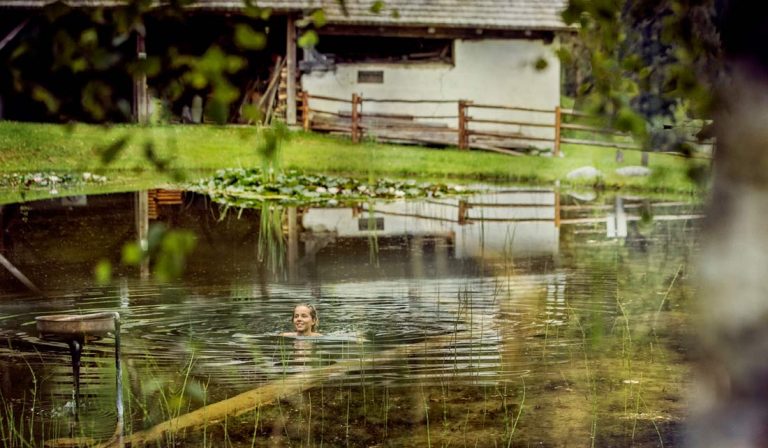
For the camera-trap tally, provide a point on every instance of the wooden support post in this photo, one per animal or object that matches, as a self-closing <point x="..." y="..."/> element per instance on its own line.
<point x="558" y="123"/>
<point x="141" y="219"/>
<point x="140" y="95"/>
<point x="305" y="110"/>
<point x="463" y="133"/>
<point x="557" y="208"/>
<point x="355" y="118"/>
<point x="290" y="56"/>
<point x="463" y="210"/>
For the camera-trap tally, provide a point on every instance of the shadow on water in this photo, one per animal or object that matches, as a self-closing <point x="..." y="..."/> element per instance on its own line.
<point x="566" y="318"/>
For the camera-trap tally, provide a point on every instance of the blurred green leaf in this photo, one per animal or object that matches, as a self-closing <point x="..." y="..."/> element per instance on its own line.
<point x="251" y="113"/>
<point x="171" y="260"/>
<point x="89" y="38"/>
<point x="318" y="18"/>
<point x="103" y="272"/>
<point x="151" y="155"/>
<point x="308" y="39"/>
<point x="377" y="6"/>
<point x="629" y="121"/>
<point x="41" y="94"/>
<point x="111" y="152"/>
<point x="132" y="254"/>
<point x="541" y="64"/>
<point x="155" y="236"/>
<point x="247" y="38"/>
<point x="96" y="99"/>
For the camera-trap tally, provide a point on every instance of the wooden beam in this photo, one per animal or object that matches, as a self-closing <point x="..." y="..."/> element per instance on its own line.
<point x="9" y="37"/>
<point x="290" y="56"/>
<point x="140" y="95"/>
<point x="434" y="32"/>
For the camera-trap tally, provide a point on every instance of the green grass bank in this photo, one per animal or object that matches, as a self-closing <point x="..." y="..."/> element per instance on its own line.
<point x="189" y="152"/>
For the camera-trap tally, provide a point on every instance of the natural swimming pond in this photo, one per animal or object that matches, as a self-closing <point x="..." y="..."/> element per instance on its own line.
<point x="515" y="317"/>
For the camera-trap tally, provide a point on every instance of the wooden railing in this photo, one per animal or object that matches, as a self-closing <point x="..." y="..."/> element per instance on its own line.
<point x="471" y="127"/>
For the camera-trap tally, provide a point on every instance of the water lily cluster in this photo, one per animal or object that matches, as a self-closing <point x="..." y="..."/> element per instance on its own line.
<point x="253" y="186"/>
<point x="49" y="180"/>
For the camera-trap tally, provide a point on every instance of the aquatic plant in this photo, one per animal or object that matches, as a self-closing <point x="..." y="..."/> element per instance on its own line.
<point x="49" y="180"/>
<point x="250" y="188"/>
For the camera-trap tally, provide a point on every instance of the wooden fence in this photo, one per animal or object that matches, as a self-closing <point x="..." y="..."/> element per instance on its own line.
<point x="473" y="125"/>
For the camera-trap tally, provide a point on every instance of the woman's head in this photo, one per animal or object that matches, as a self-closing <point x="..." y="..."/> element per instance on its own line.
<point x="305" y="319"/>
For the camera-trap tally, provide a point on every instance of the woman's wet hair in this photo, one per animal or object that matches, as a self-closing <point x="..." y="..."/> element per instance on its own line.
<point x="312" y="313"/>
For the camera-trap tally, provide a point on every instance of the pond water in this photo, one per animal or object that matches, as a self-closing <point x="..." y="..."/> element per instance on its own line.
<point x="516" y="317"/>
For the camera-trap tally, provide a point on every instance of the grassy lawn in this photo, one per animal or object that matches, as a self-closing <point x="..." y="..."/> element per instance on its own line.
<point x="193" y="151"/>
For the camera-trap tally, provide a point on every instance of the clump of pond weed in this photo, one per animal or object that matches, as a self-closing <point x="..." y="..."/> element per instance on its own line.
<point x="250" y="187"/>
<point x="48" y="180"/>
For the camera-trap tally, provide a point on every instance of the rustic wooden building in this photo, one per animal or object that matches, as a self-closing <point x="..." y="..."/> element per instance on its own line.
<point x="416" y="59"/>
<point x="490" y="51"/>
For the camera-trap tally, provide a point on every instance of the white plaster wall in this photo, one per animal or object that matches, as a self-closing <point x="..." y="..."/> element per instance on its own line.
<point x="489" y="71"/>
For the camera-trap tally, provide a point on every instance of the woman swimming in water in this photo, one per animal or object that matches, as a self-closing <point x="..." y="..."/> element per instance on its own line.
<point x="304" y="320"/>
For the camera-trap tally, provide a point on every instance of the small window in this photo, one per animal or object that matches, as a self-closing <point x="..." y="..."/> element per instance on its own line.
<point x="370" y="77"/>
<point x="370" y="224"/>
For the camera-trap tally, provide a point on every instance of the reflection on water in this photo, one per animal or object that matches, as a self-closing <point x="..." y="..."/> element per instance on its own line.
<point x="572" y="309"/>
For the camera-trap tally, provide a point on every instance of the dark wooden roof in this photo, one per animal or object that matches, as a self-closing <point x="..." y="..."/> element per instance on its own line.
<point x="497" y="14"/>
<point x="492" y="14"/>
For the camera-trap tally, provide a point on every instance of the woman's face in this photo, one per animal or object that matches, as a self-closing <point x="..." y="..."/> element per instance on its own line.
<point x="302" y="320"/>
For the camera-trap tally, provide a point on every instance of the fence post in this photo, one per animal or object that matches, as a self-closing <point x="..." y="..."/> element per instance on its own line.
<point x="463" y="136"/>
<point x="305" y="109"/>
<point x="463" y="208"/>
<point x="355" y="119"/>
<point x="558" y="122"/>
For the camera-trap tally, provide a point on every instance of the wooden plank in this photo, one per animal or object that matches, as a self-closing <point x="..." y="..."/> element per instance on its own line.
<point x="494" y="148"/>
<point x="577" y="113"/>
<point x="463" y="139"/>
<point x="412" y="127"/>
<point x="508" y="136"/>
<point x="574" y="141"/>
<point x="9" y="37"/>
<point x="328" y="98"/>
<point x="329" y="128"/>
<point x="290" y="57"/>
<point x="588" y="128"/>
<point x="558" y="134"/>
<point x="600" y="220"/>
<point x="393" y="100"/>
<point x="326" y="112"/>
<point x="521" y="109"/>
<point x="305" y="110"/>
<point x="511" y="123"/>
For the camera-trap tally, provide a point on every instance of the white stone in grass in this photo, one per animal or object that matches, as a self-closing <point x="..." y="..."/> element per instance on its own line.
<point x="585" y="172"/>
<point x="633" y="171"/>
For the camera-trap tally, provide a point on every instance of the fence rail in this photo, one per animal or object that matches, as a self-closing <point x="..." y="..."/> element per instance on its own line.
<point x="470" y="126"/>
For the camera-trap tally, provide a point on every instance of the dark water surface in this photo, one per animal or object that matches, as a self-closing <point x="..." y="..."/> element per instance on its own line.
<point x="567" y="315"/>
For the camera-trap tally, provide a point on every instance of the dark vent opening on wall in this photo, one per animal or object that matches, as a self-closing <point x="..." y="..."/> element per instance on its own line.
<point x="370" y="76"/>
